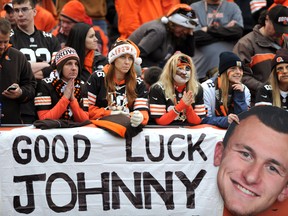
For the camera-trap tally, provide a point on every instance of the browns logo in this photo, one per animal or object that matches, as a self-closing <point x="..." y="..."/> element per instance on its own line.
<point x="284" y="20"/>
<point x="279" y="59"/>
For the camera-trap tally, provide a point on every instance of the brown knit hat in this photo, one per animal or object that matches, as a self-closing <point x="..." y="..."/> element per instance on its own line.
<point x="63" y="56"/>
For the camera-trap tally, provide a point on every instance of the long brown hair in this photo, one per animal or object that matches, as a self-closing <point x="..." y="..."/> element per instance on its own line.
<point x="130" y="81"/>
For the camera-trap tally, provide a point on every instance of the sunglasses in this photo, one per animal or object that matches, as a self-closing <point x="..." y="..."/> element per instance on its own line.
<point x="188" y="14"/>
<point x="183" y="60"/>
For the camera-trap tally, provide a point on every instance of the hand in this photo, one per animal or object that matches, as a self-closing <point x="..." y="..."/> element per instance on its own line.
<point x="231" y="23"/>
<point x="205" y="28"/>
<point x="187" y="98"/>
<point x="233" y="117"/>
<point x="238" y="87"/>
<point x="136" y="118"/>
<point x="13" y="94"/>
<point x="69" y="90"/>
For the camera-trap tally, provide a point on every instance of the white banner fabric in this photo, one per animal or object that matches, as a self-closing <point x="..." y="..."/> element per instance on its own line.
<point x="87" y="171"/>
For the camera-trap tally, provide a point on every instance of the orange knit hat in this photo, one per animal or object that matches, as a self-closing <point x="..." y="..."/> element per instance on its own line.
<point x="75" y="11"/>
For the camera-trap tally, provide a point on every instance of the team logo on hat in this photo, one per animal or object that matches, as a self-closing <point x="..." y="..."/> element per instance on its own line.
<point x="238" y="63"/>
<point x="279" y="59"/>
<point x="283" y="20"/>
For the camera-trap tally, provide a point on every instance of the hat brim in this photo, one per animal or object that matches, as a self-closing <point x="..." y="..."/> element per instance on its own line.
<point x="67" y="17"/>
<point x="8" y="6"/>
<point x="183" y="21"/>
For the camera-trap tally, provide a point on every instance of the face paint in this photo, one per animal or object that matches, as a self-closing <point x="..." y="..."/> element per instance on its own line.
<point x="183" y="74"/>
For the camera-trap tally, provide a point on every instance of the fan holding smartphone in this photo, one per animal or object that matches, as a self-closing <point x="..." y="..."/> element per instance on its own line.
<point x="12" y="87"/>
<point x="13" y="91"/>
<point x="17" y="83"/>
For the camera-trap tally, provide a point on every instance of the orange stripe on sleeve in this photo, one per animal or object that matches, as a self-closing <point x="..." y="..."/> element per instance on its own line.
<point x="261" y="58"/>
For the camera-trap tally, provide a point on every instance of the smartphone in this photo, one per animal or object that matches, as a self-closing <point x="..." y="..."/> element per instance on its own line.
<point x="11" y="88"/>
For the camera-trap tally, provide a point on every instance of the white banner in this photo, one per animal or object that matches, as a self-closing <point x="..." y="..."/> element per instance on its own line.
<point x="87" y="171"/>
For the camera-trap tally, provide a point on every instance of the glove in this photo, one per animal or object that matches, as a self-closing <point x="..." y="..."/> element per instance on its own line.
<point x="136" y="118"/>
<point x="117" y="112"/>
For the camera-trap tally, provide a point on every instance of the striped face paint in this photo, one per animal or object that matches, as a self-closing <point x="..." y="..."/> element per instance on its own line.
<point x="183" y="74"/>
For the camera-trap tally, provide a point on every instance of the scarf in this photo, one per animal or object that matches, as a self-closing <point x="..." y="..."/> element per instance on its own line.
<point x="59" y="86"/>
<point x="88" y="61"/>
<point x="219" y="107"/>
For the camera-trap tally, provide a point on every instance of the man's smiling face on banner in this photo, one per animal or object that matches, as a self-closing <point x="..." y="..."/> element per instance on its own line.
<point x="253" y="169"/>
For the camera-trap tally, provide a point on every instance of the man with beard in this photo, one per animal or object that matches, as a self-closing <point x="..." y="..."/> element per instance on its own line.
<point x="159" y="39"/>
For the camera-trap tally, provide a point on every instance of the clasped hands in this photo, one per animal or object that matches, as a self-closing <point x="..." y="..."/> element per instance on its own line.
<point x="69" y="90"/>
<point x="188" y="98"/>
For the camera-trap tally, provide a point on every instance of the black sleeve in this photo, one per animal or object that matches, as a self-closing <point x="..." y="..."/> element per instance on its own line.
<point x="111" y="11"/>
<point x="187" y="46"/>
<point x="226" y="33"/>
<point x="47" y="70"/>
<point x="27" y="81"/>
<point x="203" y="38"/>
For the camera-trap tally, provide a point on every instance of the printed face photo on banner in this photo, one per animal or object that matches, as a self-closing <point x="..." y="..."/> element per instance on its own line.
<point x="253" y="169"/>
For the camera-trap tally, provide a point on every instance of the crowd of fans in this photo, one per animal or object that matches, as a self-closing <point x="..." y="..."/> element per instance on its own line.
<point x="122" y="65"/>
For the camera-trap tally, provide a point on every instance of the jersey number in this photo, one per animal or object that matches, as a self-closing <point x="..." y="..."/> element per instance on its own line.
<point x="34" y="55"/>
<point x="268" y="87"/>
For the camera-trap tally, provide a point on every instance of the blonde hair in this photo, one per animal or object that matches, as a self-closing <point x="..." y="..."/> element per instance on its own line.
<point x="273" y="80"/>
<point x="224" y="83"/>
<point x="169" y="71"/>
